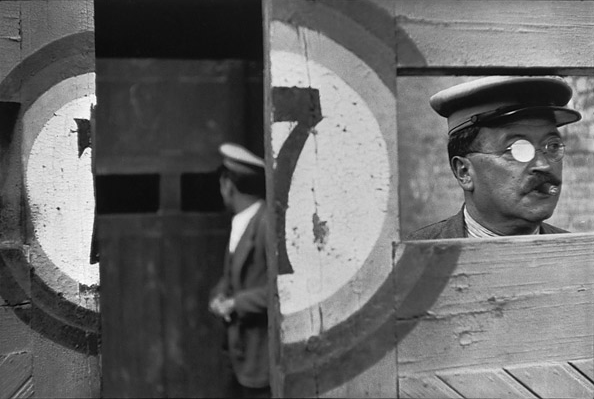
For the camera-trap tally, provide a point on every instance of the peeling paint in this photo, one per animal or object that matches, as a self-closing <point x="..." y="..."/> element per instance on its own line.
<point x="320" y="232"/>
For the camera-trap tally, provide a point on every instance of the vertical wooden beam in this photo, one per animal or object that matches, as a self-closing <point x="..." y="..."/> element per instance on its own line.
<point x="331" y="103"/>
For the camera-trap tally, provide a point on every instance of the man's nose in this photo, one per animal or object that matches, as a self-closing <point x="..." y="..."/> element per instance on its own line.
<point x="541" y="162"/>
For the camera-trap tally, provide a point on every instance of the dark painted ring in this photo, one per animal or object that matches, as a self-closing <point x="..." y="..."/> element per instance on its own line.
<point x="367" y="335"/>
<point x="53" y="316"/>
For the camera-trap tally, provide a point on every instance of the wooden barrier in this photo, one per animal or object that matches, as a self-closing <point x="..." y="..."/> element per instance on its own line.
<point x="49" y="313"/>
<point x="364" y="313"/>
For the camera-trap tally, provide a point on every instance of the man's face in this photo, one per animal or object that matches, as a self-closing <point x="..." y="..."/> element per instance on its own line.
<point x="508" y="192"/>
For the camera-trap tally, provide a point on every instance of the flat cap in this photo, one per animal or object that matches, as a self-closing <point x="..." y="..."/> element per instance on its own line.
<point x="239" y="160"/>
<point x="488" y="99"/>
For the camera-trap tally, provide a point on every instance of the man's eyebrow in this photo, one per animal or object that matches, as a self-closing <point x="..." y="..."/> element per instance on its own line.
<point x="555" y="133"/>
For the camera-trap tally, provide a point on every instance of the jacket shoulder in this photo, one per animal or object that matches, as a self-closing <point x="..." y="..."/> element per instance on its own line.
<point x="452" y="227"/>
<point x="429" y="232"/>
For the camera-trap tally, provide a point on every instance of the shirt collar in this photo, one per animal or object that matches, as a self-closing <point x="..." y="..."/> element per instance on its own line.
<point x="240" y="222"/>
<point x="476" y="230"/>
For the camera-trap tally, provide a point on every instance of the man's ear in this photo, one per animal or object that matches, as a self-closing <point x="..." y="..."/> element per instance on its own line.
<point x="462" y="167"/>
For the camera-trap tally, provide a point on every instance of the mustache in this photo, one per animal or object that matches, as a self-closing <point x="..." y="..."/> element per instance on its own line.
<point x="541" y="178"/>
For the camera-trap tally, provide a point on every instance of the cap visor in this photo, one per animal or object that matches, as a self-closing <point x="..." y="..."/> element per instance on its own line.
<point x="562" y="115"/>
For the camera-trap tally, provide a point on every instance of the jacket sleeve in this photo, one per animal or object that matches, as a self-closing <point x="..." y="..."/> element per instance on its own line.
<point x="218" y="289"/>
<point x="222" y="286"/>
<point x="252" y="301"/>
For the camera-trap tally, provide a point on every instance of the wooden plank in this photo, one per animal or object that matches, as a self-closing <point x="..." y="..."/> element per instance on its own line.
<point x="195" y="247"/>
<point x="60" y="372"/>
<point x="537" y="290"/>
<point x="456" y="34"/>
<point x="10" y="36"/>
<point x="130" y="254"/>
<point x="429" y="386"/>
<point x="203" y="97"/>
<point x="14" y="333"/>
<point x="334" y="63"/>
<point x="46" y="21"/>
<point x="493" y="383"/>
<point x="15" y="372"/>
<point x="27" y="390"/>
<point x="378" y="381"/>
<point x="585" y="366"/>
<point x="553" y="380"/>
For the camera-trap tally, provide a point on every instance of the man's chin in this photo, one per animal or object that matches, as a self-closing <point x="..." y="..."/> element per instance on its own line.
<point x="539" y="214"/>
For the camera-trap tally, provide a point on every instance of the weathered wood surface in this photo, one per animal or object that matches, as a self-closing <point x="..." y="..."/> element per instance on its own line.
<point x="10" y="36"/>
<point x="163" y="252"/>
<point x="538" y="291"/>
<point x="472" y="319"/>
<point x="513" y="311"/>
<point x="43" y="328"/>
<point x="16" y="375"/>
<point x="16" y="363"/>
<point x="463" y="34"/>
<point x="461" y="317"/>
<point x="332" y="105"/>
<point x="214" y="104"/>
<point x="26" y="26"/>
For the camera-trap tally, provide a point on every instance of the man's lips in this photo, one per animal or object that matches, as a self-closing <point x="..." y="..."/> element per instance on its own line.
<point x="545" y="184"/>
<point x="548" y="188"/>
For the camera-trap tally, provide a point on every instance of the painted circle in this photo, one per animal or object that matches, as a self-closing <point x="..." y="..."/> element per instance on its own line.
<point x="358" y="130"/>
<point x="343" y="206"/>
<point x="56" y="295"/>
<point x="59" y="183"/>
<point x="59" y="188"/>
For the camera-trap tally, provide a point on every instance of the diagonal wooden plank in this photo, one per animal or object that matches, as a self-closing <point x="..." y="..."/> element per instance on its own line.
<point x="585" y="366"/>
<point x="15" y="371"/>
<point x="493" y="383"/>
<point x="553" y="380"/>
<point x="428" y="386"/>
<point x="27" y="390"/>
<point x="14" y="333"/>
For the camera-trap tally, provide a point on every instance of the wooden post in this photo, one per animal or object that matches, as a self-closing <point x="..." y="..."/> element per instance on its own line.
<point x="49" y="318"/>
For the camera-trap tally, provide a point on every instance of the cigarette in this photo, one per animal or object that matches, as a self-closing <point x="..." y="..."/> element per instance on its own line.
<point x="549" y="188"/>
<point x="554" y="190"/>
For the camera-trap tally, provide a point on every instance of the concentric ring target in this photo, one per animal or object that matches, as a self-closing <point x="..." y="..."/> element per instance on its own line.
<point x="55" y="88"/>
<point x="338" y="307"/>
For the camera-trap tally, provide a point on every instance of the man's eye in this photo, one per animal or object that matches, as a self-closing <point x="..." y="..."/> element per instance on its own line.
<point x="554" y="146"/>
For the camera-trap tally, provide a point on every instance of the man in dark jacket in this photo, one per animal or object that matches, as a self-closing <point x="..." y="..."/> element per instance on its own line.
<point x="506" y="153"/>
<point x="240" y="298"/>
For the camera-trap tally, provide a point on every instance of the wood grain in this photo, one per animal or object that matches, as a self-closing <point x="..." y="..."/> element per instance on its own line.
<point x="15" y="373"/>
<point x="378" y="381"/>
<point x="585" y="366"/>
<point x="14" y="333"/>
<point x="425" y="387"/>
<point x="10" y="36"/>
<point x="479" y="34"/>
<point x="474" y="318"/>
<point x="553" y="380"/>
<point x="538" y="291"/>
<point x="42" y="22"/>
<point x="485" y="383"/>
